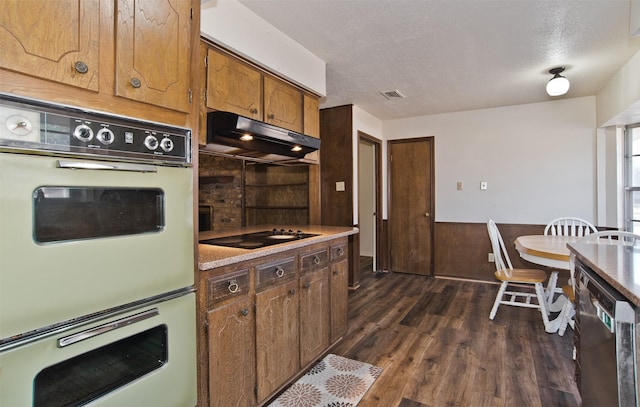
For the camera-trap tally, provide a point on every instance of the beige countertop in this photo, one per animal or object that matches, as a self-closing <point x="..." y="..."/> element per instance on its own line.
<point x="217" y="256"/>
<point x="617" y="265"/>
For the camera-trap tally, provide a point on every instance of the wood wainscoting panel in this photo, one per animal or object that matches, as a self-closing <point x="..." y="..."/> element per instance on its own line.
<point x="461" y="249"/>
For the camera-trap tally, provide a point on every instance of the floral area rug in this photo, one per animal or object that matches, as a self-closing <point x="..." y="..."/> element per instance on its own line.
<point x="334" y="382"/>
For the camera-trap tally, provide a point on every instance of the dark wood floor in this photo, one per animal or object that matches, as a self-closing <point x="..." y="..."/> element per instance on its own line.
<point x="437" y="347"/>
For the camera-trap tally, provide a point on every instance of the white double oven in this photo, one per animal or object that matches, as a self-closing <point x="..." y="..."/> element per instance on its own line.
<point x="97" y="305"/>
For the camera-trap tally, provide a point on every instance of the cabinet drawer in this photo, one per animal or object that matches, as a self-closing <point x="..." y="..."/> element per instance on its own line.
<point x="227" y="286"/>
<point x="273" y="273"/>
<point x="314" y="260"/>
<point x="338" y="252"/>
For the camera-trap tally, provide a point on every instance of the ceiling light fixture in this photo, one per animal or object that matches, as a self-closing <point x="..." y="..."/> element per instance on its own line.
<point x="246" y="137"/>
<point x="558" y="85"/>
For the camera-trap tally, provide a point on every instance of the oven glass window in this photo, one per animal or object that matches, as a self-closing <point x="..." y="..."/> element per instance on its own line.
<point x="72" y="213"/>
<point x="86" y="377"/>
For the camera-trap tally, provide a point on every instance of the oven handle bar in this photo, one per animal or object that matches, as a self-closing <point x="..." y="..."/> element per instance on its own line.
<point x="98" y="330"/>
<point x="102" y="165"/>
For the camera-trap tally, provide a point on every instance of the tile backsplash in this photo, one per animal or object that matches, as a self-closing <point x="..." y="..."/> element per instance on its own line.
<point x="220" y="187"/>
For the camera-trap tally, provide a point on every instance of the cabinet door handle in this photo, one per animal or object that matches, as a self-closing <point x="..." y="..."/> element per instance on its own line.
<point x="271" y="116"/>
<point x="233" y="286"/>
<point x="279" y="272"/>
<point x="253" y="111"/>
<point x="135" y="82"/>
<point x="245" y="312"/>
<point x="316" y="260"/>
<point x="292" y="291"/>
<point x="307" y="285"/>
<point x="81" y="67"/>
<point x="340" y="251"/>
<point x="336" y="272"/>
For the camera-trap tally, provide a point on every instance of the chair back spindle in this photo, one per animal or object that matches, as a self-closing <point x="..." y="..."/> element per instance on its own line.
<point x="569" y="226"/>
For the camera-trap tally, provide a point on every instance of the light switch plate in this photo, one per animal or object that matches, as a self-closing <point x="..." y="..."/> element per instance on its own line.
<point x="340" y="186"/>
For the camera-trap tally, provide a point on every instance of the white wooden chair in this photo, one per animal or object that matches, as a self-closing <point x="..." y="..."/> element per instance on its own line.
<point x="530" y="281"/>
<point x="606" y="237"/>
<point x="613" y="237"/>
<point x="567" y="226"/>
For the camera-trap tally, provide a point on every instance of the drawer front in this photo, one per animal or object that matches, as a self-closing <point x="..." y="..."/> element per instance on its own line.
<point x="339" y="251"/>
<point x="314" y="260"/>
<point x="228" y="286"/>
<point x="274" y="273"/>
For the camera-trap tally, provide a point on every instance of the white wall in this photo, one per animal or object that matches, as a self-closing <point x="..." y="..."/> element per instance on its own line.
<point x="618" y="103"/>
<point x="232" y="25"/>
<point x="538" y="159"/>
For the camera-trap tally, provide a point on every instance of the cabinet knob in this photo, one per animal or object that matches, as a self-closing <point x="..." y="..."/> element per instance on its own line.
<point x="336" y="272"/>
<point x="316" y="260"/>
<point x="135" y="82"/>
<point x="81" y="67"/>
<point x="292" y="291"/>
<point x="340" y="252"/>
<point x="280" y="272"/>
<point x="245" y="312"/>
<point x="254" y="111"/>
<point x="271" y="116"/>
<point x="307" y="285"/>
<point x="233" y="286"/>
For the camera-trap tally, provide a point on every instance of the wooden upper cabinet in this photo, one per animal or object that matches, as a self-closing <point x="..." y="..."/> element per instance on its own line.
<point x="311" y="116"/>
<point x="282" y="104"/>
<point x="153" y="52"/>
<point x="311" y="105"/>
<point x="53" y="40"/>
<point x="233" y="86"/>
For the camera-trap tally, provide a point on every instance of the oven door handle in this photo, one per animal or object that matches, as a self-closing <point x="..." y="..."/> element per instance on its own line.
<point x="98" y="330"/>
<point x="102" y="165"/>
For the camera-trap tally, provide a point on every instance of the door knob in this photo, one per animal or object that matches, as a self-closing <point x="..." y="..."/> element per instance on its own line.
<point x="426" y="214"/>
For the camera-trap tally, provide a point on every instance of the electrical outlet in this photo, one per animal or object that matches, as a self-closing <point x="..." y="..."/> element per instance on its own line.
<point x="491" y="258"/>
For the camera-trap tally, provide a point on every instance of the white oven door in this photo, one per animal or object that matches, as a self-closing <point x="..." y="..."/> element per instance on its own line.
<point x="144" y="357"/>
<point x="82" y="236"/>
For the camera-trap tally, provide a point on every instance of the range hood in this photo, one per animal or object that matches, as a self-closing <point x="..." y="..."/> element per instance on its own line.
<point x="236" y="136"/>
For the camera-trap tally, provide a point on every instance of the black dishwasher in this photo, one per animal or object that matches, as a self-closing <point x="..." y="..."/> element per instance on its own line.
<point x="606" y="345"/>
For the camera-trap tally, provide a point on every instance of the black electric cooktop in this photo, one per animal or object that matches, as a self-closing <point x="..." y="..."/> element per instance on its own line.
<point x="257" y="240"/>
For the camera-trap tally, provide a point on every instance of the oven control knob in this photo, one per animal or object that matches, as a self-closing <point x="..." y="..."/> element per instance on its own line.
<point x="166" y="144"/>
<point x="83" y="133"/>
<point x="151" y="142"/>
<point x="105" y="136"/>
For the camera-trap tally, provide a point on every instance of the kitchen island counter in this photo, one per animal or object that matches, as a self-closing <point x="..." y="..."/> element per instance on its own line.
<point x="210" y="256"/>
<point x="618" y="265"/>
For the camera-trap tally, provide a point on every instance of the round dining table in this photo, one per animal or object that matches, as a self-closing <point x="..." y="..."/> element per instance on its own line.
<point x="550" y="251"/>
<point x="546" y="250"/>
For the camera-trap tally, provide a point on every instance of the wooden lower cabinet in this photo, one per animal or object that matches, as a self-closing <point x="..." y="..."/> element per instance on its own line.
<point x="232" y="359"/>
<point x="315" y="314"/>
<point x="339" y="255"/>
<point x="264" y="320"/>
<point x="230" y="339"/>
<point x="339" y="297"/>
<point x="277" y="322"/>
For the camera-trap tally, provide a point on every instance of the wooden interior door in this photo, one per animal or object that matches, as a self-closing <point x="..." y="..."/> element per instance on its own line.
<point x="411" y="185"/>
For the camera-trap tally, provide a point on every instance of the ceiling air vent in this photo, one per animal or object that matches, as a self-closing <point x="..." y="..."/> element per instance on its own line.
<point x="393" y="94"/>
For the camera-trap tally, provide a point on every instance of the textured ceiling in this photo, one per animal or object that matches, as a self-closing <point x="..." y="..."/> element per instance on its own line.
<point x="454" y="55"/>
